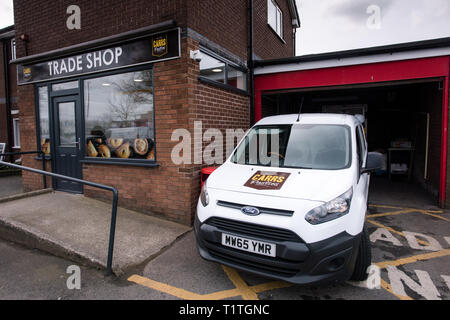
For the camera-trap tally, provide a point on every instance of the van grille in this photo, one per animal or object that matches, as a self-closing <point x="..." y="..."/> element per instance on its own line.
<point x="254" y="230"/>
<point x="237" y="206"/>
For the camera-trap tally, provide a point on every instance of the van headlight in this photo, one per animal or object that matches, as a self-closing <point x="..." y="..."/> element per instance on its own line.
<point x="332" y="209"/>
<point x="204" y="197"/>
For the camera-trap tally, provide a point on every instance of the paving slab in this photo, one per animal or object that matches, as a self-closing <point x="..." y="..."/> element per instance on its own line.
<point x="77" y="227"/>
<point x="10" y="185"/>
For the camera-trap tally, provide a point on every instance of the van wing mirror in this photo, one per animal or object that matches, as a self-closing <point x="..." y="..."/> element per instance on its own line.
<point x="374" y="162"/>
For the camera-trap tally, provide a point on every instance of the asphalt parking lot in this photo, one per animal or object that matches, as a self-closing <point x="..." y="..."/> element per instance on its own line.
<point x="410" y="246"/>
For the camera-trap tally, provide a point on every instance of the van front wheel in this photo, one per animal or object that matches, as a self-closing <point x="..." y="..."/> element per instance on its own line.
<point x="364" y="258"/>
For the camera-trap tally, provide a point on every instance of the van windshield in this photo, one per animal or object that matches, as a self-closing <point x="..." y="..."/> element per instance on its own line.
<point x="308" y="146"/>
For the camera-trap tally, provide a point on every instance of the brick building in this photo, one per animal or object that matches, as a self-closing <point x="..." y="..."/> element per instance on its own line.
<point x="104" y="84"/>
<point x="9" y="112"/>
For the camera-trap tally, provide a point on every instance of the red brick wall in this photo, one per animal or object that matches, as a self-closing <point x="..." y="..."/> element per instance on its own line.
<point x="223" y="22"/>
<point x="45" y="22"/>
<point x="266" y="42"/>
<point x="179" y="98"/>
<point x="216" y="108"/>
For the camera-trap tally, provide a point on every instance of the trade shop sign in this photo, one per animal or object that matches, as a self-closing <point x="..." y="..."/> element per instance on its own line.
<point x="153" y="48"/>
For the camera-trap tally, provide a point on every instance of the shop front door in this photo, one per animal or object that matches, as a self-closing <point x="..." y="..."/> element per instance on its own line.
<point x="67" y="141"/>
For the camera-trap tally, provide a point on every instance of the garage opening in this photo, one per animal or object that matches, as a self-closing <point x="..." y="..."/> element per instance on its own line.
<point x="403" y="121"/>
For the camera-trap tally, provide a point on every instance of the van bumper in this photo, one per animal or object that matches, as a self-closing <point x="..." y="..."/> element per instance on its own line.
<point x="297" y="262"/>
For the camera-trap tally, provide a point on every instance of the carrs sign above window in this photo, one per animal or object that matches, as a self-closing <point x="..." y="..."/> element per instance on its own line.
<point x="156" y="47"/>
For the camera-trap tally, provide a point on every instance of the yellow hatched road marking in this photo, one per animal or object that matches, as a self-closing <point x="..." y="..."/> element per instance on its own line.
<point x="246" y="292"/>
<point x="375" y="215"/>
<point x="436" y="216"/>
<point x="419" y="257"/>
<point x="422" y="242"/>
<point x="386" y="286"/>
<point x="174" y="291"/>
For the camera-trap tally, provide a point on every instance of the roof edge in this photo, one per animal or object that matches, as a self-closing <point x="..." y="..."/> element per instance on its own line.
<point x="294" y="12"/>
<point x="406" y="46"/>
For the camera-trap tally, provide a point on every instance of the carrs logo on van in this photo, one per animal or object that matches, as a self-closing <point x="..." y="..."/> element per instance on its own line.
<point x="263" y="180"/>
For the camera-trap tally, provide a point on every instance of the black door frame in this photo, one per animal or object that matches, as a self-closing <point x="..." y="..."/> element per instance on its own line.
<point x="54" y="98"/>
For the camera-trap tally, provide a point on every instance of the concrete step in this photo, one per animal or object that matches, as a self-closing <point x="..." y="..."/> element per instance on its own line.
<point x="77" y="228"/>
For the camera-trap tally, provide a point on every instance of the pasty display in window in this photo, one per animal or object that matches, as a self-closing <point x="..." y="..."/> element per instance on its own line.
<point x="90" y="150"/>
<point x="45" y="146"/>
<point x="114" y="143"/>
<point x="140" y="146"/>
<point x="104" y="151"/>
<point x="124" y="151"/>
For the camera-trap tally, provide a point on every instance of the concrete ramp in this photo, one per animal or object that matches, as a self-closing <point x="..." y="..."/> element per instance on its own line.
<point x="76" y="227"/>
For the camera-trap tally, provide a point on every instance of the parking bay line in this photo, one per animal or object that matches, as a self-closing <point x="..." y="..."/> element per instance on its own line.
<point x="392" y="213"/>
<point x="239" y="283"/>
<point x="188" y="295"/>
<point x="434" y="215"/>
<point x="412" y="259"/>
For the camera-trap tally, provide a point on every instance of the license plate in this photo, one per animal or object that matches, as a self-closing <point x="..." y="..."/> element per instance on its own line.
<point x="249" y="245"/>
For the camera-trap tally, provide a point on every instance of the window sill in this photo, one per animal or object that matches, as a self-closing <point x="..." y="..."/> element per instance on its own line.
<point x="222" y="86"/>
<point x="47" y="157"/>
<point x="136" y="163"/>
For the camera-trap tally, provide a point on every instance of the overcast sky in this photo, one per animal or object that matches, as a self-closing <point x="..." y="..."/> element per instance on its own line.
<point x="6" y="13"/>
<point x="333" y="25"/>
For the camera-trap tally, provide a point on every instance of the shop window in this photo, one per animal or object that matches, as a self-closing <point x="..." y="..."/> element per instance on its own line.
<point x="212" y="68"/>
<point x="44" y="124"/>
<point x="275" y="17"/>
<point x="65" y="85"/>
<point x="215" y="69"/>
<point x="119" y="116"/>
<point x="16" y="129"/>
<point x="236" y="78"/>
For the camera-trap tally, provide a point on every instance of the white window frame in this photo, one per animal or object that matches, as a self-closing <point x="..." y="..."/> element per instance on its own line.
<point x="278" y="27"/>
<point x="16" y="128"/>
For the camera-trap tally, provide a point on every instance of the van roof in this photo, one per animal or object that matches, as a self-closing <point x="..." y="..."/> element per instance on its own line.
<point x="310" y="118"/>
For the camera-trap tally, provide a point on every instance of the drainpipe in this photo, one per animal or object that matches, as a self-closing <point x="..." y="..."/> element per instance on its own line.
<point x="7" y="94"/>
<point x="250" y="63"/>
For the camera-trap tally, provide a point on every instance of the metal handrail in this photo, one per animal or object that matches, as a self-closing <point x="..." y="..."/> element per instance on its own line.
<point x="40" y="152"/>
<point x="112" y="230"/>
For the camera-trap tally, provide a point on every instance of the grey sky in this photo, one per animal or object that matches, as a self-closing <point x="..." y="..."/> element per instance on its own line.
<point x="6" y="13"/>
<point x="333" y="25"/>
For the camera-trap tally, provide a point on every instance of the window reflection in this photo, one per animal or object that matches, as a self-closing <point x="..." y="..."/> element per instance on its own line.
<point x="212" y="68"/>
<point x="43" y="120"/>
<point x="119" y="116"/>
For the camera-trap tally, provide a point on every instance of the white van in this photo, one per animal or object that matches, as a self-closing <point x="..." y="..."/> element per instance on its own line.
<point x="290" y="202"/>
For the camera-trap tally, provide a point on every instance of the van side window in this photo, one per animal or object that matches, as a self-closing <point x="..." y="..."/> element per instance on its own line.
<point x="359" y="147"/>
<point x="362" y="142"/>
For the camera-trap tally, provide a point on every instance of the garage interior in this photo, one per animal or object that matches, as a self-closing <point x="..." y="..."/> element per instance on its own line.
<point x="403" y="122"/>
